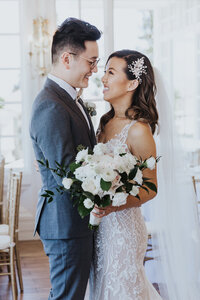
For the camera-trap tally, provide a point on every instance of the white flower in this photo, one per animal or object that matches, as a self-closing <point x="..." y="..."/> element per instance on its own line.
<point x="151" y="162"/>
<point x="120" y="149"/>
<point x="134" y="191"/>
<point x="91" y="104"/>
<point x="125" y="163"/>
<point x="84" y="172"/>
<point x="119" y="199"/>
<point x="67" y="182"/>
<point x="138" y="177"/>
<point x="91" y="185"/>
<point x="100" y="149"/>
<point x="131" y="160"/>
<point x="108" y="174"/>
<point x="93" y="159"/>
<point x="88" y="203"/>
<point x="81" y="155"/>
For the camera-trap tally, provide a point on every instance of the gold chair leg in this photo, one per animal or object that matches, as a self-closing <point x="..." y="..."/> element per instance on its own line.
<point x="19" y="270"/>
<point x="13" y="276"/>
<point x="7" y="257"/>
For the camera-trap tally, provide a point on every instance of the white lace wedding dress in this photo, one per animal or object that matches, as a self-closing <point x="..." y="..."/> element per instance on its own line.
<point x="120" y="245"/>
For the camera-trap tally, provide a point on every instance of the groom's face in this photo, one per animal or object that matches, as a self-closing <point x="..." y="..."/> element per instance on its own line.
<point x="82" y="65"/>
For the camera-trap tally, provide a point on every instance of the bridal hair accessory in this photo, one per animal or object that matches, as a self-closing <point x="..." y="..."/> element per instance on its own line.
<point x="137" y="68"/>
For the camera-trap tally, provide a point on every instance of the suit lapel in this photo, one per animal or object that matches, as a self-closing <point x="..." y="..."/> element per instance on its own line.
<point x="67" y="99"/>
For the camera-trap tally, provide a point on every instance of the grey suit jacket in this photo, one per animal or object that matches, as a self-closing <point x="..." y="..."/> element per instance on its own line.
<point x="57" y="127"/>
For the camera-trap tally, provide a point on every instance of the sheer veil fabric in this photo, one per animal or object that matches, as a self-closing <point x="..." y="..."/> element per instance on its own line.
<point x="173" y="212"/>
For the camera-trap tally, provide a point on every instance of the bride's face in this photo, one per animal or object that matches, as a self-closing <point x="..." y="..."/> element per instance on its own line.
<point x="115" y="82"/>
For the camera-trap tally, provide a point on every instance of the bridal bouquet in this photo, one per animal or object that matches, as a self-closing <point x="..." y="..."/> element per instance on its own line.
<point x="98" y="178"/>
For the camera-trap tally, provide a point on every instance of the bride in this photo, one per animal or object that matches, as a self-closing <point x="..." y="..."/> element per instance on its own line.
<point x="117" y="272"/>
<point x="121" y="241"/>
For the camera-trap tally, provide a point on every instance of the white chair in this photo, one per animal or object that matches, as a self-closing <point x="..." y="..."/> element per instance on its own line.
<point x="9" y="232"/>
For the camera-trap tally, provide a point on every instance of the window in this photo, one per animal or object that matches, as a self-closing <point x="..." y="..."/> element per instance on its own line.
<point x="10" y="94"/>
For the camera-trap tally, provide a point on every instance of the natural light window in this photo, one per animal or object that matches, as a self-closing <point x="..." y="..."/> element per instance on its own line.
<point x="10" y="94"/>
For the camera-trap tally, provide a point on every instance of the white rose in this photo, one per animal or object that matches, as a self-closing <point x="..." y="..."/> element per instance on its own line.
<point x="134" y="191"/>
<point x="88" y="203"/>
<point x="125" y="163"/>
<point x="131" y="160"/>
<point x="119" y="163"/>
<point x="119" y="199"/>
<point x="151" y="162"/>
<point x="67" y="182"/>
<point x="84" y="172"/>
<point x="100" y="149"/>
<point x="81" y="155"/>
<point x="93" y="159"/>
<point x="108" y="174"/>
<point x="138" y="177"/>
<point x="106" y="162"/>
<point x="91" y="185"/>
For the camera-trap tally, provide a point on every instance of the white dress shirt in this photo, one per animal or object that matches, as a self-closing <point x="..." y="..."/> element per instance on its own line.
<point x="71" y="91"/>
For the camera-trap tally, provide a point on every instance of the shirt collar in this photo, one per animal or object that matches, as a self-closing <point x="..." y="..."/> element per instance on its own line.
<point x="64" y="85"/>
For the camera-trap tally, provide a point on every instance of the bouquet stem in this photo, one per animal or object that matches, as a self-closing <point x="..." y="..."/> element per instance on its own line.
<point x="94" y="221"/>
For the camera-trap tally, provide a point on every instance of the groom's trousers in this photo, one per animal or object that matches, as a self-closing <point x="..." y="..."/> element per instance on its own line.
<point x="70" y="262"/>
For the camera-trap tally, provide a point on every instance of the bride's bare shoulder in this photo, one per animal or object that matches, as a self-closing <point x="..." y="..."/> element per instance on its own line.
<point x="140" y="140"/>
<point x="139" y="129"/>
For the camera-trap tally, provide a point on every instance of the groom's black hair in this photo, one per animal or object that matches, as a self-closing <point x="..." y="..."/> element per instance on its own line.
<point x="73" y="33"/>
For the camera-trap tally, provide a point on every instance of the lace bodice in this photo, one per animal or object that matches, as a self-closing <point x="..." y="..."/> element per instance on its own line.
<point x="120" y="246"/>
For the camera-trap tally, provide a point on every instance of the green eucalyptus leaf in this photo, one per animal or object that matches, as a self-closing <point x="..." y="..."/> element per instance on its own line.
<point x="133" y="172"/>
<point x="144" y="188"/>
<point x="59" y="165"/>
<point x="146" y="178"/>
<point x="49" y="192"/>
<point x="45" y="195"/>
<point x="151" y="186"/>
<point x="47" y="163"/>
<point x="41" y="162"/>
<point x="50" y="199"/>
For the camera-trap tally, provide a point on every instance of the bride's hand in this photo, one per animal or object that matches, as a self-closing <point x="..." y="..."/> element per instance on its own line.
<point x="103" y="211"/>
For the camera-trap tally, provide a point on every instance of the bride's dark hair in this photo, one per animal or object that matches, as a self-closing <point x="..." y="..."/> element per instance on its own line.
<point x="143" y="106"/>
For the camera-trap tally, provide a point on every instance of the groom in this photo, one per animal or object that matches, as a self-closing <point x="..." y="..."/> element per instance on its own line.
<point x="58" y="125"/>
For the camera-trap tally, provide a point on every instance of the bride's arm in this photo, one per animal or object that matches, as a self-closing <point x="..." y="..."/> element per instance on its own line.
<point x="141" y="144"/>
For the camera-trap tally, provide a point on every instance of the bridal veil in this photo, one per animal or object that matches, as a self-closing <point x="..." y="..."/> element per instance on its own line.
<point x="174" y="218"/>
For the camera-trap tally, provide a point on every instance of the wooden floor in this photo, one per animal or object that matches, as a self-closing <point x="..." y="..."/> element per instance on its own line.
<point x="35" y="271"/>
